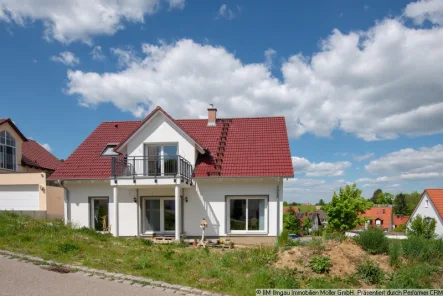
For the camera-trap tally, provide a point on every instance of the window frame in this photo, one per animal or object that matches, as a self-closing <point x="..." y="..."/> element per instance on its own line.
<point x="162" y="145"/>
<point x="228" y="199"/>
<point x="107" y="147"/>
<point x="91" y="212"/>
<point x="14" y="151"/>
<point x="162" y="214"/>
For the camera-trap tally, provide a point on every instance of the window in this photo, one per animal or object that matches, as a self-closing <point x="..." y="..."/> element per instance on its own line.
<point x="161" y="160"/>
<point x="247" y="214"/>
<point x="99" y="213"/>
<point x="7" y="151"/>
<point x="158" y="215"/>
<point x="426" y="203"/>
<point x="109" y="150"/>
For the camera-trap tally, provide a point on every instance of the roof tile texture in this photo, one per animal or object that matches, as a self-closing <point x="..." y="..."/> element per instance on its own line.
<point x="33" y="154"/>
<point x="255" y="147"/>
<point x="436" y="195"/>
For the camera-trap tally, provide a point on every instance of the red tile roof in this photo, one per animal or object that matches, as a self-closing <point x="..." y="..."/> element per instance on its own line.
<point x="255" y="147"/>
<point x="35" y="155"/>
<point x="382" y="213"/>
<point x="436" y="196"/>
<point x="400" y="220"/>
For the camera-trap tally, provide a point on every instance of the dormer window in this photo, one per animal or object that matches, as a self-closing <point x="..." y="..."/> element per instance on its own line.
<point x="7" y="151"/>
<point x="109" y="150"/>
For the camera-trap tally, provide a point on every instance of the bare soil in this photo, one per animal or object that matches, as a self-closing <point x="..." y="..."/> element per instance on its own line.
<point x="345" y="257"/>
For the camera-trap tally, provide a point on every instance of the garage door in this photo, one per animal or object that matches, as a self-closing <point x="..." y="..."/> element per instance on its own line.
<point x="19" y="197"/>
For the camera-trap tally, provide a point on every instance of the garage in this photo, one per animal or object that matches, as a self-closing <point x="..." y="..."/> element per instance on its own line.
<point x="19" y="197"/>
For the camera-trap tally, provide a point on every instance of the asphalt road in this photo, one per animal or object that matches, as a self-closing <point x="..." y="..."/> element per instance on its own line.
<point x="19" y="278"/>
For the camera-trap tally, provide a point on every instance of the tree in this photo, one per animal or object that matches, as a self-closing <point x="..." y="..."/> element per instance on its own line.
<point x="376" y="195"/>
<point x="344" y="209"/>
<point x="412" y="200"/>
<point x="321" y="202"/>
<point x="307" y="224"/>
<point x="291" y="223"/>
<point x="400" y="205"/>
<point x="422" y="227"/>
<point x="285" y="204"/>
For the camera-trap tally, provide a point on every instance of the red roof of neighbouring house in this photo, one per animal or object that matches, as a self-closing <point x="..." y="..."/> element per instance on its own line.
<point x="255" y="147"/>
<point x="379" y="212"/>
<point x="436" y="196"/>
<point x="400" y="220"/>
<point x="34" y="155"/>
<point x="287" y="209"/>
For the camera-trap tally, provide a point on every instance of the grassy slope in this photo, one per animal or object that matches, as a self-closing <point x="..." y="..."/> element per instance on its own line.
<point x="237" y="271"/>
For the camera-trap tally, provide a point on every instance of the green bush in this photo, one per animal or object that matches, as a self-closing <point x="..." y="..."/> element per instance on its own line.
<point x="370" y="272"/>
<point x="420" y="249"/>
<point x="419" y="276"/>
<point x="283" y="238"/>
<point x="419" y="227"/>
<point x="373" y="241"/>
<point x="291" y="223"/>
<point x="400" y="228"/>
<point x="146" y="242"/>
<point x="394" y="252"/>
<point x="67" y="247"/>
<point x="316" y="245"/>
<point x="320" y="264"/>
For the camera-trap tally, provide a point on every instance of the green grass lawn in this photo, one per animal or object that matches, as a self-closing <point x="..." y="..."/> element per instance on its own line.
<point x="306" y="208"/>
<point x="237" y="271"/>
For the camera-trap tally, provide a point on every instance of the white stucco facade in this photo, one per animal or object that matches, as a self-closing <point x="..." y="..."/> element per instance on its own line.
<point x="175" y="205"/>
<point x="207" y="198"/>
<point x="426" y="208"/>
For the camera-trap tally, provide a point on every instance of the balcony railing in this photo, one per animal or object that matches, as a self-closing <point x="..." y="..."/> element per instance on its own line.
<point x="173" y="166"/>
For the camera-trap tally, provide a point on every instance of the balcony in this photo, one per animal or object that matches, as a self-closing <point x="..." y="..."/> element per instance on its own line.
<point x="167" y="167"/>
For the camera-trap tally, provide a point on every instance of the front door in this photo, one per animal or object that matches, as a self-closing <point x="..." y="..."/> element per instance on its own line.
<point x="158" y="215"/>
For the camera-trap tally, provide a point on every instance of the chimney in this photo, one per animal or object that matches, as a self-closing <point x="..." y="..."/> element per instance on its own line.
<point x="212" y="115"/>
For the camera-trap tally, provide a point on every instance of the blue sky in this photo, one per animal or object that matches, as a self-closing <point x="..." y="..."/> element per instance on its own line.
<point x="359" y="82"/>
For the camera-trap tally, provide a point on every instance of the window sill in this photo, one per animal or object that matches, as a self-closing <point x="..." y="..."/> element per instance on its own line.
<point x="248" y="233"/>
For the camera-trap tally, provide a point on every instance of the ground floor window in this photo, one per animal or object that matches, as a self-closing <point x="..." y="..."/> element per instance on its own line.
<point x="99" y="213"/>
<point x="247" y="214"/>
<point x="158" y="214"/>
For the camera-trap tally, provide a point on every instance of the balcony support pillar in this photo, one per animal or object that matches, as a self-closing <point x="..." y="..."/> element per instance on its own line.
<point x="177" y="213"/>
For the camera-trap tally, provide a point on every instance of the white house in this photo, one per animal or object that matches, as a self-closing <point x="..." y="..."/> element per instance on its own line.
<point x="162" y="176"/>
<point x="431" y="206"/>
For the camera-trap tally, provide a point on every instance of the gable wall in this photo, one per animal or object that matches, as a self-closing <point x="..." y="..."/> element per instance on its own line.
<point x="429" y="211"/>
<point x="160" y="130"/>
<point x="18" y="148"/>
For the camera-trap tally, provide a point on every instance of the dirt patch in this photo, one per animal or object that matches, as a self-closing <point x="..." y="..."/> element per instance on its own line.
<point x="59" y="269"/>
<point x="345" y="257"/>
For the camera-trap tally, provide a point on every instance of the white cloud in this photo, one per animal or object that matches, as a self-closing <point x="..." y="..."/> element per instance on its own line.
<point x="46" y="146"/>
<point x="363" y="156"/>
<point x="125" y="57"/>
<point x="225" y="12"/>
<point x="302" y="165"/>
<point x="304" y="182"/>
<point x="68" y="20"/>
<point x="409" y="161"/>
<point x="269" y="56"/>
<point x="420" y="11"/>
<point x="375" y="84"/>
<point x="67" y="58"/>
<point x="97" y="53"/>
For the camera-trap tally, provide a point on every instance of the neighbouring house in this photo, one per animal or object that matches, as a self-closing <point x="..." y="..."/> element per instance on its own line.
<point x="162" y="176"/>
<point x="399" y="220"/>
<point x="429" y="207"/>
<point x="380" y="216"/>
<point x="24" y="165"/>
<point x="288" y="209"/>
<point x="322" y="216"/>
<point x="314" y="218"/>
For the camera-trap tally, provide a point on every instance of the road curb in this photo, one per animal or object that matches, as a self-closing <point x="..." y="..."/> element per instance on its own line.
<point x="110" y="276"/>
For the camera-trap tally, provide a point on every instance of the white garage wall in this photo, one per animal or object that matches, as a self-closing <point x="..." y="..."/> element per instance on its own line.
<point x="19" y="197"/>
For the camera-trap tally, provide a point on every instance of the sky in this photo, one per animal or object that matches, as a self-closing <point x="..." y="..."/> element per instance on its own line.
<point x="359" y="82"/>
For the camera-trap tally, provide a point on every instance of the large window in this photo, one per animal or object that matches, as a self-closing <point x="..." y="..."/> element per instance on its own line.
<point x="247" y="214"/>
<point x="161" y="160"/>
<point x="158" y="215"/>
<point x="100" y="213"/>
<point x="7" y="151"/>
